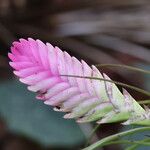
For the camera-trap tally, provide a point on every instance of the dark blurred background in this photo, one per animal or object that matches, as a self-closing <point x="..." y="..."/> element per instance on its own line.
<point x="98" y="31"/>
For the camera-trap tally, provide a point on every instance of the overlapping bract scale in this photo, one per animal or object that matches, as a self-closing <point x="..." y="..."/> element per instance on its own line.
<point x="41" y="67"/>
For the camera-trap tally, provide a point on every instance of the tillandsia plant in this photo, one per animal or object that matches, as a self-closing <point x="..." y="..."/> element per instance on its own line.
<point x="72" y="86"/>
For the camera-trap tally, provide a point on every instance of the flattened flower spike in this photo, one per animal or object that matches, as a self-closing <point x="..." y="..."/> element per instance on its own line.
<point x="41" y="67"/>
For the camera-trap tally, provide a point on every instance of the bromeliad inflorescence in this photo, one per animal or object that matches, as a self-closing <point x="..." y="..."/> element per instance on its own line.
<point x="41" y="67"/>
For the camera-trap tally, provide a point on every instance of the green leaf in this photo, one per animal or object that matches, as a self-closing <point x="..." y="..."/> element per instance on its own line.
<point x="117" y="136"/>
<point x="25" y="115"/>
<point x="124" y="67"/>
<point x="136" y="145"/>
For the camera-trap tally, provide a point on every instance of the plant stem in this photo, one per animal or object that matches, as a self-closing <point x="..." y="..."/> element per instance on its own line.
<point x="91" y="135"/>
<point x="141" y="142"/>
<point x="112" y="81"/>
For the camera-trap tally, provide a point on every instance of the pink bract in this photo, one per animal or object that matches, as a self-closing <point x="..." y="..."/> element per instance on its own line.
<point x="40" y="66"/>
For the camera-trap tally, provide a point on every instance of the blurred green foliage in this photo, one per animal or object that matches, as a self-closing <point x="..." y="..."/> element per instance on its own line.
<point x="25" y="115"/>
